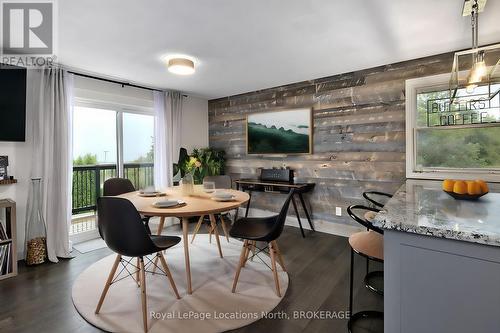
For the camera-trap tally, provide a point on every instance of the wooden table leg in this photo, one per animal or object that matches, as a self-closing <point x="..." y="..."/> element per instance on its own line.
<point x="306" y="211"/>
<point x="185" y="226"/>
<point x="158" y="232"/>
<point x="161" y="225"/>
<point x="197" y="228"/>
<point x="224" y="227"/>
<point x="216" y="232"/>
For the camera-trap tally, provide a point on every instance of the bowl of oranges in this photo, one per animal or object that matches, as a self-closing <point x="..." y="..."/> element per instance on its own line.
<point x="465" y="189"/>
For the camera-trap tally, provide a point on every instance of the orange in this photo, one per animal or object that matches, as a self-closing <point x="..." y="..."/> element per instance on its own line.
<point x="473" y="188"/>
<point x="483" y="186"/>
<point x="448" y="185"/>
<point x="460" y="187"/>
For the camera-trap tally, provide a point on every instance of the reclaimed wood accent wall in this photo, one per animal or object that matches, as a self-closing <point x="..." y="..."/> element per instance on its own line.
<point x="359" y="133"/>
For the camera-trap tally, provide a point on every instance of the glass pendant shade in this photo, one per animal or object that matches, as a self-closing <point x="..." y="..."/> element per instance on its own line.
<point x="476" y="67"/>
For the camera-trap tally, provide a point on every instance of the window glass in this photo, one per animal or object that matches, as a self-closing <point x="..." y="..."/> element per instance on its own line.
<point x="138" y="149"/>
<point x="464" y="135"/>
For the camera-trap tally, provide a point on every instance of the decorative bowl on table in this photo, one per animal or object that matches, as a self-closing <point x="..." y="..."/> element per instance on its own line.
<point x="465" y="189"/>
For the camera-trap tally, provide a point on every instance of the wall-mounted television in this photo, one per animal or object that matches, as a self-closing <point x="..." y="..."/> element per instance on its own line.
<point x="12" y="103"/>
<point x="280" y="132"/>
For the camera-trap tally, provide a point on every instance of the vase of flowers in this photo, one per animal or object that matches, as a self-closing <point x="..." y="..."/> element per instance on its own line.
<point x="205" y="162"/>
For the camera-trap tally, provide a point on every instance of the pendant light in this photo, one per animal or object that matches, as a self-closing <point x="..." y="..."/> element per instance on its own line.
<point x="478" y="66"/>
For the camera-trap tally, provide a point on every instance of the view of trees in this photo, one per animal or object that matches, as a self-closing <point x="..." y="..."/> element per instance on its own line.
<point x="84" y="181"/>
<point x="475" y="147"/>
<point x="87" y="159"/>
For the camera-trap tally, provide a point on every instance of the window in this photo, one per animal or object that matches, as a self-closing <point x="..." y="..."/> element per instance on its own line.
<point x="457" y="140"/>
<point x="138" y="148"/>
<point x="108" y="141"/>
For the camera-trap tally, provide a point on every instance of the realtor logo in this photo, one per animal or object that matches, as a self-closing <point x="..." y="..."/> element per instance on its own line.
<point x="27" y="28"/>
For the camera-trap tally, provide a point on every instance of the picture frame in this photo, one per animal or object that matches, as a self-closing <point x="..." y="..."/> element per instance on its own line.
<point x="280" y="132"/>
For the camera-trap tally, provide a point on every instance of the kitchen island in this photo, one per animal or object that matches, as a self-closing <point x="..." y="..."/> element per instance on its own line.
<point x="441" y="261"/>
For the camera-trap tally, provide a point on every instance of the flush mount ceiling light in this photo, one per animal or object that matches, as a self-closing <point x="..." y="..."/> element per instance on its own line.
<point x="478" y="66"/>
<point x="180" y="66"/>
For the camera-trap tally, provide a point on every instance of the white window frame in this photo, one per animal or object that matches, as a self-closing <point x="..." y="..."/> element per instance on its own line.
<point x="432" y="83"/>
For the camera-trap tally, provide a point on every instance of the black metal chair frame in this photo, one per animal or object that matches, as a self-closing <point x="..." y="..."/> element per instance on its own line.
<point x="369" y="275"/>
<point x="366" y="195"/>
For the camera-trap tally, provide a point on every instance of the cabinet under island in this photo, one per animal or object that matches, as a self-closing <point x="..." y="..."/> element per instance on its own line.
<point x="441" y="261"/>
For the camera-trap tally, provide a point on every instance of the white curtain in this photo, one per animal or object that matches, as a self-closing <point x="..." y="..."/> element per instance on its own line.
<point x="52" y="155"/>
<point x="168" y="122"/>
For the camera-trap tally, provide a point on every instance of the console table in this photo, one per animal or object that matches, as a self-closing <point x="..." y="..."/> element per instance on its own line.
<point x="257" y="185"/>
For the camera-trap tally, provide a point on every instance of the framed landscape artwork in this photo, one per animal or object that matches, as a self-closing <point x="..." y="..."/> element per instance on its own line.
<point x="280" y="132"/>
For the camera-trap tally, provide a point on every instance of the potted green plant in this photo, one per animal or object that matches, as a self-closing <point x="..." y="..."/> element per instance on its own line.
<point x="205" y="162"/>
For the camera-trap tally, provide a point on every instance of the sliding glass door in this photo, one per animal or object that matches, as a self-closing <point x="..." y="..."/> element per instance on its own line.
<point x="138" y="149"/>
<point x="107" y="142"/>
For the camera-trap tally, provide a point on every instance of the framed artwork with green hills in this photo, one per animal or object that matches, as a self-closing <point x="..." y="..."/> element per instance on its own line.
<point x="280" y="132"/>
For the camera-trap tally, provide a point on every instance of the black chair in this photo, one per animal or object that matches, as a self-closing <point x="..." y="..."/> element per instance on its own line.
<point x="121" y="227"/>
<point x="221" y="182"/>
<point x="368" y="244"/>
<point x="117" y="186"/>
<point x="261" y="229"/>
<point x="368" y="195"/>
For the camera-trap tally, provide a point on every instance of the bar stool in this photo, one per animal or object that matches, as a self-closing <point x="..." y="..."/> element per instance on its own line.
<point x="370" y="245"/>
<point x="368" y="195"/>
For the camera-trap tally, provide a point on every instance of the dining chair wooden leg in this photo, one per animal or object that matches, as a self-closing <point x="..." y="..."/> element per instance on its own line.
<point x="143" y="296"/>
<point x="280" y="257"/>
<point x="210" y="231"/>
<point x="169" y="275"/>
<point x="253" y="248"/>
<point x="224" y="227"/>
<point x="197" y="228"/>
<point x="240" y="264"/>
<point x="137" y="273"/>
<point x="108" y="282"/>
<point x="158" y="232"/>
<point x="247" y="253"/>
<point x="185" y="226"/>
<point x="275" y="270"/>
<point x="214" y="227"/>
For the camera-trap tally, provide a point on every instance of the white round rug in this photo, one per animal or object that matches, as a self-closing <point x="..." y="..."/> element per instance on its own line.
<point x="211" y="308"/>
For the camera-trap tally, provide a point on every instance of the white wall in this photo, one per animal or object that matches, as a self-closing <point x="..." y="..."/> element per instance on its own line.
<point x="194" y="123"/>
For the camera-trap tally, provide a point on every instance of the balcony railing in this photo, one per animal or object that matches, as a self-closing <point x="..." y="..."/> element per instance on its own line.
<point x="88" y="181"/>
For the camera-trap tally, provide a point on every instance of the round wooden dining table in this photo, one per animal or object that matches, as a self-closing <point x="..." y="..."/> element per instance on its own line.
<point x="199" y="204"/>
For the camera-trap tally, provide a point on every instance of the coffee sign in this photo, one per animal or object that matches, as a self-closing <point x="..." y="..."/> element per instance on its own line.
<point x="475" y="109"/>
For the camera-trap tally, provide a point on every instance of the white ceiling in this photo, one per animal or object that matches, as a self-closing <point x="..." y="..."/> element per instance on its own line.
<point x="248" y="45"/>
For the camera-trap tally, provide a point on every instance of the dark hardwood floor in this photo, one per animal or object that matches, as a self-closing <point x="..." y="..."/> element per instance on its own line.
<point x="39" y="298"/>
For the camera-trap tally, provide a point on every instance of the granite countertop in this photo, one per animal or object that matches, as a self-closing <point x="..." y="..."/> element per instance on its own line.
<point x="422" y="207"/>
